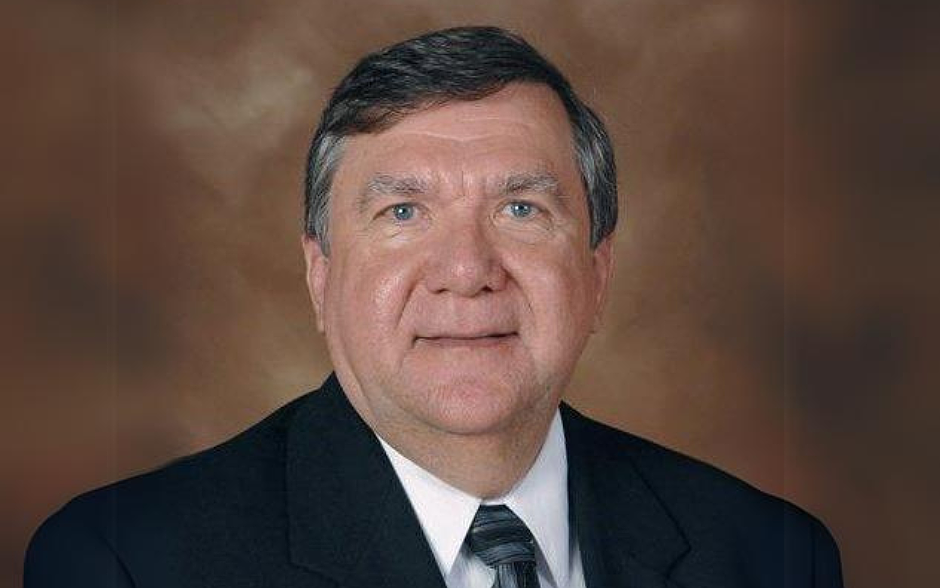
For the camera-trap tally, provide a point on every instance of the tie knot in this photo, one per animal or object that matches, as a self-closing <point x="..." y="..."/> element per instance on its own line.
<point x="497" y="536"/>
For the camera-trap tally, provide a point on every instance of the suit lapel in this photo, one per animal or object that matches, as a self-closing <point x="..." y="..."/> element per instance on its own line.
<point x="627" y="538"/>
<point x="349" y="517"/>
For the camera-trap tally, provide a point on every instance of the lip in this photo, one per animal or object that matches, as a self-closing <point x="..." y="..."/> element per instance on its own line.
<point x="475" y="341"/>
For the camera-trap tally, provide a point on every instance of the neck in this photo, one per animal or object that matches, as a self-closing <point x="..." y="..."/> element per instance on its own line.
<point x="485" y="465"/>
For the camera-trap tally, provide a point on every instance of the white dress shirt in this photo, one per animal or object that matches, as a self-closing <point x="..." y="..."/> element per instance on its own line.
<point x="540" y="499"/>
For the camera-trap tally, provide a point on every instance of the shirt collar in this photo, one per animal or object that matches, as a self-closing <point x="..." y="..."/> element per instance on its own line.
<point x="540" y="499"/>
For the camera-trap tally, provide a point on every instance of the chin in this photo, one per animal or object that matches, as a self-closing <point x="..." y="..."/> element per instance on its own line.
<point x="472" y="405"/>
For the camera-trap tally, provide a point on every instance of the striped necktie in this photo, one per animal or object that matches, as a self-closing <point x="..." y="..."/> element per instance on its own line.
<point x="499" y="538"/>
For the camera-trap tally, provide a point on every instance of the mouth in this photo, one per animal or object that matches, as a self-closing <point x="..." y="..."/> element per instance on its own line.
<point x="488" y="340"/>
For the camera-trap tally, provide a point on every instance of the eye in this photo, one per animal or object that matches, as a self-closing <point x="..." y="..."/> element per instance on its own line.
<point x="402" y="212"/>
<point x="520" y="210"/>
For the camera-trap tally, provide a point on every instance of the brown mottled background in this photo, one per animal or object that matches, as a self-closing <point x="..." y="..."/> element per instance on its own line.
<point x="774" y="312"/>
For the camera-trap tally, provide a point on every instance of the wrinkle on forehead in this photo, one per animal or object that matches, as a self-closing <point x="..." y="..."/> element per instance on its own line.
<point x="530" y="108"/>
<point x="489" y="128"/>
<point x="518" y="139"/>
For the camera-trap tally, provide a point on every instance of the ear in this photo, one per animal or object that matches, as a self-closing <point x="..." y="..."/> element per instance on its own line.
<point x="318" y="267"/>
<point x="603" y="256"/>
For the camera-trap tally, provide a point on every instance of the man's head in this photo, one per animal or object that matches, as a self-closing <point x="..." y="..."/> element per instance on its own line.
<point x="460" y="200"/>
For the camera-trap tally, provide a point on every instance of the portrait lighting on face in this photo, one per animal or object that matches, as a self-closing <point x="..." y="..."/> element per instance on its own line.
<point x="461" y="285"/>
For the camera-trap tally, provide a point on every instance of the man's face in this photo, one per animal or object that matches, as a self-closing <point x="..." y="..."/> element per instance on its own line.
<point x="460" y="288"/>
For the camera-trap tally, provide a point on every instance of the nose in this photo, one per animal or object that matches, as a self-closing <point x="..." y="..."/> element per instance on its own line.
<point x="465" y="261"/>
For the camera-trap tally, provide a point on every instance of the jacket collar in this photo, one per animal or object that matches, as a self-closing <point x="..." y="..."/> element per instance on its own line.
<point x="627" y="536"/>
<point x="350" y="519"/>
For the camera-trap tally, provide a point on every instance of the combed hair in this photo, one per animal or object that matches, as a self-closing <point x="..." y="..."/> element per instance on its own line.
<point x="464" y="63"/>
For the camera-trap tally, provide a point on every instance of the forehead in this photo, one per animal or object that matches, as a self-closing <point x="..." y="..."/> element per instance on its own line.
<point x="522" y="127"/>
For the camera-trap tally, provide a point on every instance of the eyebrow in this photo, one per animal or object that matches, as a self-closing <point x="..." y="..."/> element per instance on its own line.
<point x="543" y="182"/>
<point x="389" y="185"/>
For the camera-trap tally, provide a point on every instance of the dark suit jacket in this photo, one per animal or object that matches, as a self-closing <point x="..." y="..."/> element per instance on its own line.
<point x="307" y="498"/>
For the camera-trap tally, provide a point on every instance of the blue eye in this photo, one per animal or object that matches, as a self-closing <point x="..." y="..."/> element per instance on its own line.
<point x="403" y="212"/>
<point x="520" y="209"/>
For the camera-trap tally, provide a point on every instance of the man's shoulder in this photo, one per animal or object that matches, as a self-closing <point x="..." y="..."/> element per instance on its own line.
<point x="224" y="469"/>
<point x="713" y="508"/>
<point x="191" y="500"/>
<point x="677" y="477"/>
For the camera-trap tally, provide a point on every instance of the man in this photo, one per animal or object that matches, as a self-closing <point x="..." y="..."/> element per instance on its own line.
<point x="460" y="207"/>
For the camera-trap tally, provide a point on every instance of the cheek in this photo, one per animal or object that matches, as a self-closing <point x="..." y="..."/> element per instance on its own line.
<point x="560" y="294"/>
<point x="370" y="294"/>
